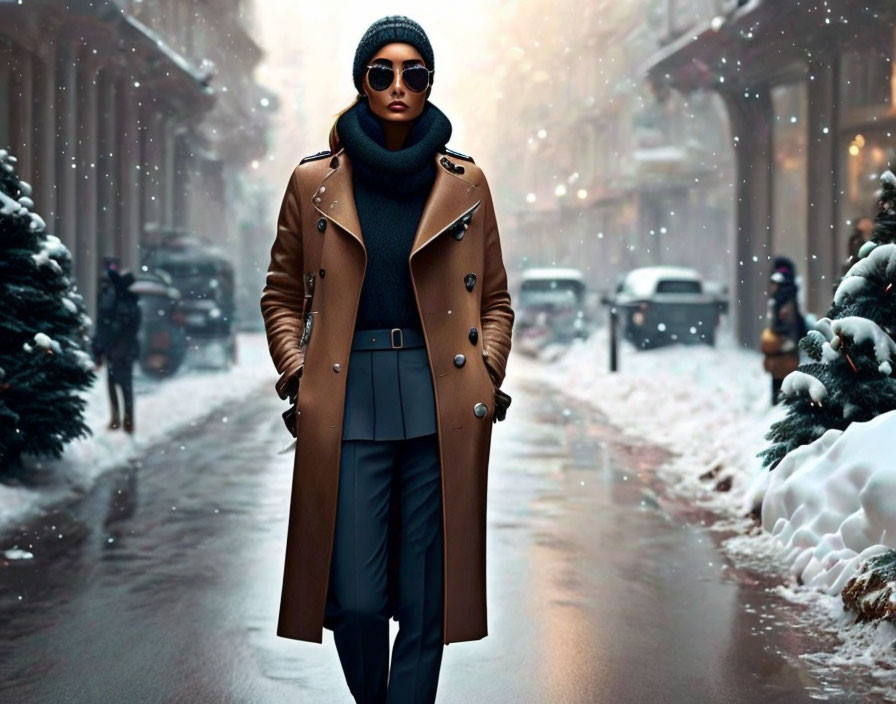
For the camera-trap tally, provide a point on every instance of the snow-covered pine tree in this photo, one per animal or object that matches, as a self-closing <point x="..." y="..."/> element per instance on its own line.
<point x="850" y="377"/>
<point x="43" y="332"/>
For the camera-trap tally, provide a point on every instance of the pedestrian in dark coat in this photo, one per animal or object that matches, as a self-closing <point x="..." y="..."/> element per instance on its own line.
<point x="115" y="341"/>
<point x="785" y="325"/>
<point x="389" y="321"/>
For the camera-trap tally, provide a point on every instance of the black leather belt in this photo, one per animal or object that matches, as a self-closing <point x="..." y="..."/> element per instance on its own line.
<point x="387" y="339"/>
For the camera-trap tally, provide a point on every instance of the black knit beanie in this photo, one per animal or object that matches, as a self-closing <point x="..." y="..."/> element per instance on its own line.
<point x="394" y="28"/>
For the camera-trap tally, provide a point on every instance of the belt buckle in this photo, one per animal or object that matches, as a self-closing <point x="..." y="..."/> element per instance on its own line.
<point x="400" y="338"/>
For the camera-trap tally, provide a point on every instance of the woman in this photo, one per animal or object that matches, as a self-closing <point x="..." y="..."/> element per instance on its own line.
<point x="785" y="325"/>
<point x="389" y="321"/>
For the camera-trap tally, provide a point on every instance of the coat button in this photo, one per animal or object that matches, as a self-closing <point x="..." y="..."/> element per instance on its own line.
<point x="321" y="224"/>
<point x="474" y="335"/>
<point x="337" y="367"/>
<point x="470" y="281"/>
<point x="479" y="410"/>
<point x="459" y="360"/>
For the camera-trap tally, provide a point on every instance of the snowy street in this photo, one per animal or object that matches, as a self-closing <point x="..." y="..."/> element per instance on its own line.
<point x="162" y="583"/>
<point x="664" y="229"/>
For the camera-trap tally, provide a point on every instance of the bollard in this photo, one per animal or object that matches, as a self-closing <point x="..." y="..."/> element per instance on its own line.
<point x="614" y="342"/>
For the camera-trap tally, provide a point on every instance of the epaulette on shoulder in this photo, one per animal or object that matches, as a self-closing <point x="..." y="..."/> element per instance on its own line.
<point x="457" y="155"/>
<point x="314" y="157"/>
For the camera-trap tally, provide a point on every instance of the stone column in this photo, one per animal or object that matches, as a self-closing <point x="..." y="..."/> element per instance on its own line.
<point x="21" y="107"/>
<point x="181" y="186"/>
<point x="5" y="90"/>
<point x="44" y="164"/>
<point x="152" y="152"/>
<point x="168" y="177"/>
<point x="826" y="253"/>
<point x="107" y="163"/>
<point x="751" y="129"/>
<point x="66" y="142"/>
<point x="86" y="172"/>
<point x="130" y="175"/>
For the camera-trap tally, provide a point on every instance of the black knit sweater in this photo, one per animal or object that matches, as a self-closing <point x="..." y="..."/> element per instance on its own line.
<point x="390" y="189"/>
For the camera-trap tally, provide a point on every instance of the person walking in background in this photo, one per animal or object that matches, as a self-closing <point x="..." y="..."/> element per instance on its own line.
<point x="785" y="325"/>
<point x="115" y="339"/>
<point x="860" y="235"/>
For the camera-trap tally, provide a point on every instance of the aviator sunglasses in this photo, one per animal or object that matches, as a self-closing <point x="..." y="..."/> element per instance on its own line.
<point x="416" y="77"/>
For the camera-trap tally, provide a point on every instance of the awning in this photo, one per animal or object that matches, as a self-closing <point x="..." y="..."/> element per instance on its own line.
<point x="765" y="42"/>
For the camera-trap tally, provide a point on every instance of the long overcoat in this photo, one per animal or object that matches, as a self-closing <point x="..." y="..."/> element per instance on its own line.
<point x="460" y="283"/>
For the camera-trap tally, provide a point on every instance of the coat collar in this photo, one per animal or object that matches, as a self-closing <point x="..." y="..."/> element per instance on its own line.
<point x="451" y="198"/>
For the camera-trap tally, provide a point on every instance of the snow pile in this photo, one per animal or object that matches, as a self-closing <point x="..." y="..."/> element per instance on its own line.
<point x="192" y="395"/>
<point x="799" y="382"/>
<point x="829" y="504"/>
<point x="860" y="330"/>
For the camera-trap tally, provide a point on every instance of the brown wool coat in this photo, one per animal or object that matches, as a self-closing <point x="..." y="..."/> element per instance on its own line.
<point x="318" y="232"/>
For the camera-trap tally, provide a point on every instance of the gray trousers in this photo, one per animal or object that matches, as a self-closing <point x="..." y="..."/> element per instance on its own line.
<point x="363" y="593"/>
<point x="388" y="548"/>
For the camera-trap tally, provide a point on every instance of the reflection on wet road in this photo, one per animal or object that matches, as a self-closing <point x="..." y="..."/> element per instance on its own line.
<point x="163" y="584"/>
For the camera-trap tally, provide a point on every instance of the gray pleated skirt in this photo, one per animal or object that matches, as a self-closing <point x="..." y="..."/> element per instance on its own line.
<point x="389" y="395"/>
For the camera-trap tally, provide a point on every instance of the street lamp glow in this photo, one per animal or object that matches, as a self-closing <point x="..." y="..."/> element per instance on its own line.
<point x="530" y="197"/>
<point x="560" y="190"/>
<point x="582" y="194"/>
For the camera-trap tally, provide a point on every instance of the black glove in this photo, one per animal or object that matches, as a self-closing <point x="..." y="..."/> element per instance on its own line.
<point x="289" y="415"/>
<point x="502" y="401"/>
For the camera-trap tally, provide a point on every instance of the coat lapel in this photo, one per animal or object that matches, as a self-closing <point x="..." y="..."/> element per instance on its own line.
<point x="450" y="199"/>
<point x="334" y="198"/>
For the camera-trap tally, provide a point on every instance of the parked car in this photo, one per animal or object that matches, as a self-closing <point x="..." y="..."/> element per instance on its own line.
<point x="162" y="339"/>
<point x="661" y="305"/>
<point x="551" y="306"/>
<point x="205" y="278"/>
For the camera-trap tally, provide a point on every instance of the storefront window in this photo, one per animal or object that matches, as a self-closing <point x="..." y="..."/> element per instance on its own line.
<point x="865" y="156"/>
<point x="867" y="144"/>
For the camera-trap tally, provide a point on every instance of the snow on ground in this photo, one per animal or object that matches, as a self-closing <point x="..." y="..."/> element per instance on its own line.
<point x="824" y="508"/>
<point x="162" y="407"/>
<point x="710" y="405"/>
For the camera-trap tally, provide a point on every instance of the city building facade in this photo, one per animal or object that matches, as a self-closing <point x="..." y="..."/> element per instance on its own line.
<point x="809" y="93"/>
<point x="132" y="120"/>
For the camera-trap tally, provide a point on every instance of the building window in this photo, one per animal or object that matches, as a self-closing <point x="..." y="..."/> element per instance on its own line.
<point x="865" y="156"/>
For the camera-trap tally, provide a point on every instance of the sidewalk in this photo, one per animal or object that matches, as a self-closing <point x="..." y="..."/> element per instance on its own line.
<point x="161" y="409"/>
<point x="709" y="405"/>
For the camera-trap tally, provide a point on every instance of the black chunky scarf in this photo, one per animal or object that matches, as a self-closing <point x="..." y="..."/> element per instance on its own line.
<point x="402" y="171"/>
<point x="390" y="190"/>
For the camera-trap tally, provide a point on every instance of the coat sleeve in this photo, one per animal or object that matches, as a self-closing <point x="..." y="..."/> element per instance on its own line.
<point x="283" y="293"/>
<point x="496" y="314"/>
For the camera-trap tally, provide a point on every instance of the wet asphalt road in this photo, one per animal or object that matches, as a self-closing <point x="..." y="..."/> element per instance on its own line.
<point x="163" y="584"/>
